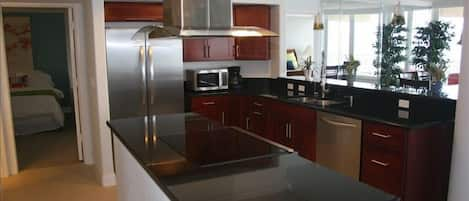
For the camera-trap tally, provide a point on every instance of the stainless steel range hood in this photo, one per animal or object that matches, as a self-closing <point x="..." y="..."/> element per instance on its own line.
<point x="203" y="18"/>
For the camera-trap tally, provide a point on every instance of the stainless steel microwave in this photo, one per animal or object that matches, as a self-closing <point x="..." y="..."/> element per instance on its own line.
<point x="207" y="79"/>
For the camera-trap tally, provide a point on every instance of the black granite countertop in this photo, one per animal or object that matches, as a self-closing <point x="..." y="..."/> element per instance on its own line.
<point x="194" y="159"/>
<point x="344" y="109"/>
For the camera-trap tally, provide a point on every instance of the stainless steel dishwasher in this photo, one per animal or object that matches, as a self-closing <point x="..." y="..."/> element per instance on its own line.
<point x="338" y="143"/>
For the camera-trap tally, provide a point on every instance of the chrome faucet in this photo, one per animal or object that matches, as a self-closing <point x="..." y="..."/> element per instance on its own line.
<point x="323" y="81"/>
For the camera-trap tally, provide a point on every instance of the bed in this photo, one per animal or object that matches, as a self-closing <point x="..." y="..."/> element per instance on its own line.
<point x="35" y="105"/>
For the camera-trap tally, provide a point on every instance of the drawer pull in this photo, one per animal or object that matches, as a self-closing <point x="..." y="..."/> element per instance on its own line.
<point x="381" y="135"/>
<point x="258" y="104"/>
<point x="209" y="103"/>
<point x="257" y="113"/>
<point x="380" y="163"/>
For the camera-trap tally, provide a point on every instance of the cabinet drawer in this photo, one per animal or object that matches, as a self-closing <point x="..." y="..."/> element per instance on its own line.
<point x="207" y="102"/>
<point x="384" y="136"/>
<point x="257" y="105"/>
<point x="382" y="169"/>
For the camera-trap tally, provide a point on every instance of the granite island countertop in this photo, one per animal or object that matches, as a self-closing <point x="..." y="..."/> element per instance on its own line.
<point x="192" y="158"/>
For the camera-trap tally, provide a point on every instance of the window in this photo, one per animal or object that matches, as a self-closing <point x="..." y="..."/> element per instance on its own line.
<point x="454" y="16"/>
<point x="338" y="39"/>
<point x="365" y="36"/>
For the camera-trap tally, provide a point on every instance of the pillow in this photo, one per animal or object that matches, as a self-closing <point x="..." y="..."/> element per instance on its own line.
<point x="18" y="80"/>
<point x="40" y="79"/>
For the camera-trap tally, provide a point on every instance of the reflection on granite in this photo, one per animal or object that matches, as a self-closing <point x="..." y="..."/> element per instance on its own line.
<point x="194" y="159"/>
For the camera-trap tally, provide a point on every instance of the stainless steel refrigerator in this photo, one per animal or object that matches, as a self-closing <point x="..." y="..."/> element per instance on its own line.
<point x="145" y="75"/>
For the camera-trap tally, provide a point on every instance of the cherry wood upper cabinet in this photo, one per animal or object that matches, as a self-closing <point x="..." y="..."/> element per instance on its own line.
<point x="129" y="11"/>
<point x="208" y="49"/>
<point x="252" y="48"/>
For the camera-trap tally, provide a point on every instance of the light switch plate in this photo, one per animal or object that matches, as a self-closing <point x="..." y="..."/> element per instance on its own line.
<point x="403" y="114"/>
<point x="404" y="103"/>
<point x="301" y="88"/>
<point x="290" y="86"/>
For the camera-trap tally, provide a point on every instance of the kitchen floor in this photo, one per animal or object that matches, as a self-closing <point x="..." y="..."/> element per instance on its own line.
<point x="70" y="182"/>
<point x="48" y="149"/>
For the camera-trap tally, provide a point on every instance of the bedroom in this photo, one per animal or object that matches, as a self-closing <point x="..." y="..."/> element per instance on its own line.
<point x="41" y="94"/>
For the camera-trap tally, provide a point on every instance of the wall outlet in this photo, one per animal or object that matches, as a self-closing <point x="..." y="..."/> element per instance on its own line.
<point x="404" y="104"/>
<point x="403" y="114"/>
<point x="290" y="86"/>
<point x="301" y="88"/>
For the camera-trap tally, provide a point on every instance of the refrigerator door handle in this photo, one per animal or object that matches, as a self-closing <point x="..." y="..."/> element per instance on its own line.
<point x="152" y="75"/>
<point x="144" y="74"/>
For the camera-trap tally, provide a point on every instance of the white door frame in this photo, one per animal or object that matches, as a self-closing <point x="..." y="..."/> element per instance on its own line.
<point x="78" y="80"/>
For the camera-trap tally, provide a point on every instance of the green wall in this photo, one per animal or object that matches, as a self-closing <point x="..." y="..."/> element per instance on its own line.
<point x="49" y="45"/>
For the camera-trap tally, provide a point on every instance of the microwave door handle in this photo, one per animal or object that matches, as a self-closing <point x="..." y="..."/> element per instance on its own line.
<point x="152" y="75"/>
<point x="141" y="63"/>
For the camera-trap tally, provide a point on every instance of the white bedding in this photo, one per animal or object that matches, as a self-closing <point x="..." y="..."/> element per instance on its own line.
<point x="37" y="113"/>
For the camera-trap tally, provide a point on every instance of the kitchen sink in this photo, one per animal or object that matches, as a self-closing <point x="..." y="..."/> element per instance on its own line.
<point x="317" y="101"/>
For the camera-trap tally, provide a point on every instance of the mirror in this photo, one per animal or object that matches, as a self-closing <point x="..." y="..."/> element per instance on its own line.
<point x="385" y="42"/>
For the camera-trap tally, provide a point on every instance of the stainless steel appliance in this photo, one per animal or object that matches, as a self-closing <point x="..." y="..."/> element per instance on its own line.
<point x="338" y="143"/>
<point x="235" y="78"/>
<point x="145" y="75"/>
<point x="207" y="79"/>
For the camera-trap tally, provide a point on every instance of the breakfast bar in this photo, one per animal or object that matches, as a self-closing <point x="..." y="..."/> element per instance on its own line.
<point x="187" y="157"/>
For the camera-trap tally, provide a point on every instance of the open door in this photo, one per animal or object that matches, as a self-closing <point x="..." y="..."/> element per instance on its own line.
<point x="8" y="158"/>
<point x="72" y="63"/>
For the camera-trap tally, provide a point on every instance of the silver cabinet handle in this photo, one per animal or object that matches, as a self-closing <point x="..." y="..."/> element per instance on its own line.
<point x="257" y="113"/>
<point x="208" y="51"/>
<point x="336" y="123"/>
<point x="237" y="50"/>
<point x="286" y="131"/>
<point x="141" y="60"/>
<point x="247" y="123"/>
<point x="208" y="103"/>
<point x="289" y="131"/>
<point x="152" y="75"/>
<point x="258" y="104"/>
<point x="205" y="51"/>
<point x="381" y="135"/>
<point x="380" y="163"/>
<point x="223" y="118"/>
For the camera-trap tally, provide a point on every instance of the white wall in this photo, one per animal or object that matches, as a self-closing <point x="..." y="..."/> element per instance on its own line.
<point x="459" y="180"/>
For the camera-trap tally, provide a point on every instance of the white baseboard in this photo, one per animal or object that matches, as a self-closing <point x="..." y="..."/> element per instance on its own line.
<point x="108" y="180"/>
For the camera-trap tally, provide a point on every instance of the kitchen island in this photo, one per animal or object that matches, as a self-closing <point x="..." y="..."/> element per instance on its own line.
<point x="186" y="157"/>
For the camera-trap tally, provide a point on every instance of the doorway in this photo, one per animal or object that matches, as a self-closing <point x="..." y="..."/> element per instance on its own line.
<point x="71" y="104"/>
<point x="40" y="88"/>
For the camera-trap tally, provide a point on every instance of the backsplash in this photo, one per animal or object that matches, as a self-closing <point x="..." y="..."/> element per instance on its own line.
<point x="249" y="69"/>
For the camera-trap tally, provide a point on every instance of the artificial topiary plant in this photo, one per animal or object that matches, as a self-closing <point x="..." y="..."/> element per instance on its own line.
<point x="431" y="43"/>
<point x="390" y="51"/>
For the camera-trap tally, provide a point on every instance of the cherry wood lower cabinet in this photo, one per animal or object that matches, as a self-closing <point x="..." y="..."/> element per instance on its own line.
<point x="254" y="115"/>
<point x="413" y="164"/>
<point x="295" y="127"/>
<point x="132" y="11"/>
<point x="212" y="107"/>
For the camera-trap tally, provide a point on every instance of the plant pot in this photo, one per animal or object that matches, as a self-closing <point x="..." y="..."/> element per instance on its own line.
<point x="351" y="79"/>
<point x="436" y="86"/>
<point x="308" y="74"/>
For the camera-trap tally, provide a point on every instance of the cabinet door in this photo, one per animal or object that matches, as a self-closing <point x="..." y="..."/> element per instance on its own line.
<point x="280" y="124"/>
<point x="303" y="130"/>
<point x="220" y="49"/>
<point x="233" y="111"/>
<point x="195" y="49"/>
<point x="127" y="11"/>
<point x="252" y="48"/>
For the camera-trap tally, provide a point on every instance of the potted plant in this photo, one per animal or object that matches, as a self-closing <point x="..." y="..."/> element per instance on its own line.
<point x="390" y="52"/>
<point x="307" y="68"/>
<point x="351" y="67"/>
<point x="429" y="52"/>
